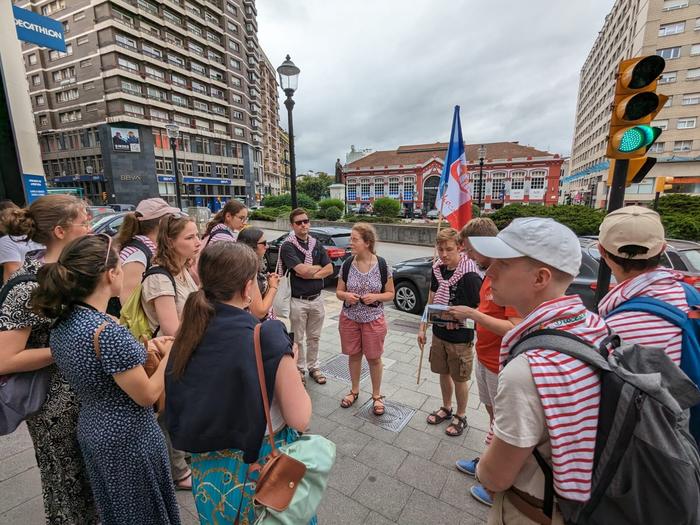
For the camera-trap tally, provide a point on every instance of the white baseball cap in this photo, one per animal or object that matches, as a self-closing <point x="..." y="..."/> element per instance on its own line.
<point x="542" y="239"/>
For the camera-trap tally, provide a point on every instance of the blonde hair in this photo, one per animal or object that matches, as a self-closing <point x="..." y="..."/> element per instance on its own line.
<point x="38" y="220"/>
<point x="368" y="234"/>
<point x="447" y="235"/>
<point x="478" y="227"/>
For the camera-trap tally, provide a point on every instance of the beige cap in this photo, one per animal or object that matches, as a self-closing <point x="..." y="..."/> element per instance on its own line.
<point x="632" y="225"/>
<point x="154" y="208"/>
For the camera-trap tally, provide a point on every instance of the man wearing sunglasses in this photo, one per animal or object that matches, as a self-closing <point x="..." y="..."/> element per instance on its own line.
<point x="308" y="264"/>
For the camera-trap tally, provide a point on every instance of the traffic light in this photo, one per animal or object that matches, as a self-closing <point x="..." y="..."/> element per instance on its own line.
<point x="636" y="170"/>
<point x="104" y="196"/>
<point x="663" y="184"/>
<point x="635" y="106"/>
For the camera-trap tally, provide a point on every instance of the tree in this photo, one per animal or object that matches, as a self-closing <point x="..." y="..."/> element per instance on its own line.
<point x="316" y="187"/>
<point x="386" y="207"/>
<point x="275" y="201"/>
<point x="333" y="213"/>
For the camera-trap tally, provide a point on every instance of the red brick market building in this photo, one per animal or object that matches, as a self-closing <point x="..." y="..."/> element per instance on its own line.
<point x="512" y="174"/>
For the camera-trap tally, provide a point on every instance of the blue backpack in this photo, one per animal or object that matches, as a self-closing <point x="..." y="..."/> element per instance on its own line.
<point x="690" y="326"/>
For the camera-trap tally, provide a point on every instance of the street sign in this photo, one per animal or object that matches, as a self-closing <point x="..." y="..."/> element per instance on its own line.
<point x="40" y="30"/>
<point x="34" y="187"/>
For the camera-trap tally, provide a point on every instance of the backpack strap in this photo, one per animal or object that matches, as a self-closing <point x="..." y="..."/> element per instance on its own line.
<point x="566" y="343"/>
<point x="383" y="271"/>
<point x="345" y="269"/>
<point x="223" y="230"/>
<point x="159" y="270"/>
<point x="14" y="281"/>
<point x="140" y="245"/>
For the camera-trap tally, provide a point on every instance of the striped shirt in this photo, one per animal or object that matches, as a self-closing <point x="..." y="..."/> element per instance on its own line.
<point x="569" y="392"/>
<point x="643" y="328"/>
<point x="130" y="250"/>
<point x="221" y="232"/>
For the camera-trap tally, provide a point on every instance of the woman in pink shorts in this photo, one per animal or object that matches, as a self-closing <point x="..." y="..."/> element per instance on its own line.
<point x="364" y="284"/>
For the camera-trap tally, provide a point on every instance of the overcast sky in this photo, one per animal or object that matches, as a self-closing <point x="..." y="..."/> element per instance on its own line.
<point x="384" y="73"/>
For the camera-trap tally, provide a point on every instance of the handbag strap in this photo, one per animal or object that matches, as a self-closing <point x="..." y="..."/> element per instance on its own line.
<point x="263" y="386"/>
<point x="96" y="338"/>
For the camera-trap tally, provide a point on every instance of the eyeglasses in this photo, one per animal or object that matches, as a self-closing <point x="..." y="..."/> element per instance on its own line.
<point x="264" y="243"/>
<point x="85" y="224"/>
<point x="302" y="221"/>
<point x="242" y="219"/>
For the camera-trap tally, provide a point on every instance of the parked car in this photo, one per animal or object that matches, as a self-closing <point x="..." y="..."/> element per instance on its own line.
<point x="432" y="214"/>
<point x="96" y="211"/>
<point x="364" y="209"/>
<point x="108" y="223"/>
<point x="412" y="277"/>
<point x="335" y="240"/>
<point x="122" y="207"/>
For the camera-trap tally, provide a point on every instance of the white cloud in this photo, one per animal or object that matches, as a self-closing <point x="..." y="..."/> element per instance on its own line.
<point x="380" y="74"/>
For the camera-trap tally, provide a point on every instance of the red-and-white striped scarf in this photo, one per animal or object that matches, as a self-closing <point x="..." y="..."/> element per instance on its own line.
<point x="642" y="328"/>
<point x="130" y="250"/>
<point x="569" y="391"/>
<point x="465" y="265"/>
<point x="308" y="253"/>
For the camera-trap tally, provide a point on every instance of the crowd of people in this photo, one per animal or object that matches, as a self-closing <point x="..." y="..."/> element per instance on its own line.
<point x="127" y="422"/>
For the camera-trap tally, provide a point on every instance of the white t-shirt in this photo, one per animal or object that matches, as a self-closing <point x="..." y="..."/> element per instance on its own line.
<point x="14" y="249"/>
<point x="137" y="256"/>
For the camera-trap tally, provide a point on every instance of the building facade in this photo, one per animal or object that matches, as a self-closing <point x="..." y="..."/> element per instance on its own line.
<point x="671" y="29"/>
<point x="273" y="172"/>
<point x="133" y="66"/>
<point x="512" y="173"/>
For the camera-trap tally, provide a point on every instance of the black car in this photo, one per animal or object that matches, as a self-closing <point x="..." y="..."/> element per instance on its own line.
<point x="412" y="278"/>
<point x="335" y="240"/>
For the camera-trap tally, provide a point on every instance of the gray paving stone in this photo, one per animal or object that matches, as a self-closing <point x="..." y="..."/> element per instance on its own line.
<point x="322" y="426"/>
<point x="382" y="457"/>
<point x="430" y="388"/>
<point x="17" y="463"/>
<point x="19" y="489"/>
<point x="410" y="397"/>
<point x="478" y="419"/>
<point x="456" y="492"/>
<point x="375" y="518"/>
<point x="338" y="509"/>
<point x="423" y="475"/>
<point x="29" y="513"/>
<point x="348" y="441"/>
<point x="422" y="509"/>
<point x="377" y="432"/>
<point x="383" y="494"/>
<point x="323" y="404"/>
<point x="474" y="439"/>
<point x="347" y="474"/>
<point x="16" y="442"/>
<point x="346" y="416"/>
<point x="448" y="453"/>
<point x="416" y="442"/>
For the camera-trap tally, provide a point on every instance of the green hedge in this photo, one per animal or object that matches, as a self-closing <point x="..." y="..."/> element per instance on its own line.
<point x="386" y="207"/>
<point x="333" y="213"/>
<point x="303" y="200"/>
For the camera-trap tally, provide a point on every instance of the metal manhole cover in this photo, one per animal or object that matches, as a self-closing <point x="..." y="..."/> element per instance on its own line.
<point x="395" y="416"/>
<point x="337" y="367"/>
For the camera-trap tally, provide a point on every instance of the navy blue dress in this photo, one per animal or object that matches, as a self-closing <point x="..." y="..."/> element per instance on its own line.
<point x="123" y="447"/>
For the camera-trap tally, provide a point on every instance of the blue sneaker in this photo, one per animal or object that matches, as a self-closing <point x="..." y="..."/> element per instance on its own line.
<point x="468" y="466"/>
<point x="480" y="494"/>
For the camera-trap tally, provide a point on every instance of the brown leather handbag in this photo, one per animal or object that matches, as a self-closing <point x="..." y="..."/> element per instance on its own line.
<point x="281" y="473"/>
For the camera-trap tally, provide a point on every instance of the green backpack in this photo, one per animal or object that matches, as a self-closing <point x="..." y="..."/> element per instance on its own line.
<point x="133" y="315"/>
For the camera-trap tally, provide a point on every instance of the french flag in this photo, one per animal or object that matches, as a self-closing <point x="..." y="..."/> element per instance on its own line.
<point x="454" y="197"/>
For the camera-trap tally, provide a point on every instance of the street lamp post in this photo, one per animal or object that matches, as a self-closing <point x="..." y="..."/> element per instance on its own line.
<point x="482" y="156"/>
<point x="173" y="133"/>
<point x="289" y="79"/>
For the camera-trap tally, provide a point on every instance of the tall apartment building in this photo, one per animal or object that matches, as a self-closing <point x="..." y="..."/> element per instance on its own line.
<point x="671" y="29"/>
<point x="133" y="66"/>
<point x="273" y="172"/>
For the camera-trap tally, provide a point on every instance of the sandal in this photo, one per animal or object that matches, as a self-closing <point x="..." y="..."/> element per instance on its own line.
<point x="317" y="376"/>
<point x="378" y="405"/>
<point x="437" y="418"/>
<point x="349" y="399"/>
<point x="458" y="427"/>
<point x="184" y="483"/>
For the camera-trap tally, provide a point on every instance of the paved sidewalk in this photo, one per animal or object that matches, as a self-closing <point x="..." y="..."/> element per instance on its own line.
<point x="379" y="477"/>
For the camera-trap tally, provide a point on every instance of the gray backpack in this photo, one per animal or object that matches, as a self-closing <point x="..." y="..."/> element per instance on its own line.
<point x="646" y="466"/>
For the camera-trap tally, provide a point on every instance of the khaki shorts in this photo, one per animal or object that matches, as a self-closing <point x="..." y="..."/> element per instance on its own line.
<point x="452" y="358"/>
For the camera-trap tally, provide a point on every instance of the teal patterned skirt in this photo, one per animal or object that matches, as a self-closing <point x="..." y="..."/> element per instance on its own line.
<point x="219" y="483"/>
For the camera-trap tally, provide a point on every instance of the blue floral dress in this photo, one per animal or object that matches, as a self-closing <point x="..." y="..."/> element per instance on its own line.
<point x="123" y="447"/>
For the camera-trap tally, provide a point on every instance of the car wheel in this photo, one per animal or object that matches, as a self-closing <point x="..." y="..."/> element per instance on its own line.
<point x="407" y="298"/>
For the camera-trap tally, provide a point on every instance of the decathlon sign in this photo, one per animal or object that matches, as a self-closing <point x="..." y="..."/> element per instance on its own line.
<point x="40" y="30"/>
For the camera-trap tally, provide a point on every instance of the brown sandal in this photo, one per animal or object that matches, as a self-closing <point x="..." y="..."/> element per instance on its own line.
<point x="378" y="409"/>
<point x="458" y="427"/>
<point x="317" y="376"/>
<point x="349" y="399"/>
<point x="437" y="418"/>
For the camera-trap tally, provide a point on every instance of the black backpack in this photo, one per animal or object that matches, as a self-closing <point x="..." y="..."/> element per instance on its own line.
<point x="114" y="306"/>
<point x="646" y="466"/>
<point x="383" y="270"/>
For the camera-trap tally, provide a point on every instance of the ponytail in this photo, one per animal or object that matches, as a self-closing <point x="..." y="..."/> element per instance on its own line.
<point x="196" y="315"/>
<point x="37" y="221"/>
<point x="133" y="226"/>
<point x="231" y="207"/>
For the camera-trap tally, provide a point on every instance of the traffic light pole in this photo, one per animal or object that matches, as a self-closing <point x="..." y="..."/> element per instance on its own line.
<point x="615" y="201"/>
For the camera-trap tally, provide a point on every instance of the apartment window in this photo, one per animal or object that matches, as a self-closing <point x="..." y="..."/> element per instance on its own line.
<point x="172" y="17"/>
<point x="231" y="9"/>
<point x="155" y="94"/>
<point x="669" y="52"/>
<point x="130" y="87"/>
<point x="657" y="147"/>
<point x="237" y="99"/>
<point x="91" y="107"/>
<point x="235" y="64"/>
<point x="697" y="24"/>
<point x="690" y="99"/>
<point x="194" y="29"/>
<point x="235" y="81"/>
<point x="53" y="7"/>
<point x="195" y="48"/>
<point x="181" y="119"/>
<point x="201" y="124"/>
<point x="179" y="100"/>
<point x="40" y="100"/>
<point x="201" y="106"/>
<point x="148" y="6"/>
<point x="178" y="80"/>
<point x="89" y="85"/>
<point x="671" y="29"/>
<point x="198" y="87"/>
<point x="157" y="114"/>
<point x="670" y="5"/>
<point x="148" y="28"/>
<point x="32" y="59"/>
<point x="237" y="115"/>
<point x="216" y="92"/>
<point x="216" y="57"/>
<point x="128" y="65"/>
<point x="70" y="116"/>
<point x="215" y="74"/>
<point x="219" y="110"/>
<point x="86" y="63"/>
<point x="43" y="120"/>
<point x="125" y="41"/>
<point x="151" y="51"/>
<point x="83" y="40"/>
<point x="176" y="60"/>
<point x="57" y="55"/>
<point x="669" y="102"/>
<point x="695" y="49"/>
<point x="78" y="16"/>
<point x="36" y="80"/>
<point x="233" y="27"/>
<point x="686" y="123"/>
<point x="64" y="74"/>
<point x="69" y="94"/>
<point x="693" y="74"/>
<point x="212" y="37"/>
<point x="235" y="46"/>
<point x="198" y="68"/>
<point x="517" y="180"/>
<point x="154" y="73"/>
<point x="134" y="109"/>
<point x="667" y="78"/>
<point x="169" y="37"/>
<point x="683" y="145"/>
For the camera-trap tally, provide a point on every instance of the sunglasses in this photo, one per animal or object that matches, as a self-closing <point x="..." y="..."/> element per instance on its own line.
<point x="109" y="246"/>
<point x="302" y="221"/>
<point x="263" y="243"/>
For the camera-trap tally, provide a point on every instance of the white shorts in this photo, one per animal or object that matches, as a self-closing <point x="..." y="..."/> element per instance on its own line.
<point x="487" y="382"/>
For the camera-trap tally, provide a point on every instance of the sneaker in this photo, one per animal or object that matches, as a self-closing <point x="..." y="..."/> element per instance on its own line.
<point x="480" y="494"/>
<point x="468" y="466"/>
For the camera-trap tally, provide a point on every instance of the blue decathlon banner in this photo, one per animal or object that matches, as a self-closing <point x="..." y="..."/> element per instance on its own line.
<point x="40" y="30"/>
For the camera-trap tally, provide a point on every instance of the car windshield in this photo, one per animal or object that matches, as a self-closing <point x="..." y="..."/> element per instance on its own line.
<point x="342" y="241"/>
<point x="693" y="259"/>
<point x="99" y="220"/>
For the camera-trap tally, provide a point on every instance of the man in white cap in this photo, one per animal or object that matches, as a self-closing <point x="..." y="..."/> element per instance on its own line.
<point x="534" y="261"/>
<point x="632" y="242"/>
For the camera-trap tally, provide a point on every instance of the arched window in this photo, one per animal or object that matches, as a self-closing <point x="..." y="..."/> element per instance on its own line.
<point x="378" y="187"/>
<point x="517" y="180"/>
<point x="498" y="185"/>
<point x="538" y="180"/>
<point x="394" y="187"/>
<point x="409" y="184"/>
<point x="365" y="189"/>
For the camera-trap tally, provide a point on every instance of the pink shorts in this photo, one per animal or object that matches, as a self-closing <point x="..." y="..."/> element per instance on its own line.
<point x="366" y="338"/>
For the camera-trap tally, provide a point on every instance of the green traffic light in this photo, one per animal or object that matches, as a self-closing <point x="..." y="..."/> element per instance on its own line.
<point x="638" y="137"/>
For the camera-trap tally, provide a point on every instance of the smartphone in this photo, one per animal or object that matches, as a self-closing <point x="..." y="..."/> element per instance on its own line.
<point x="291" y="337"/>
